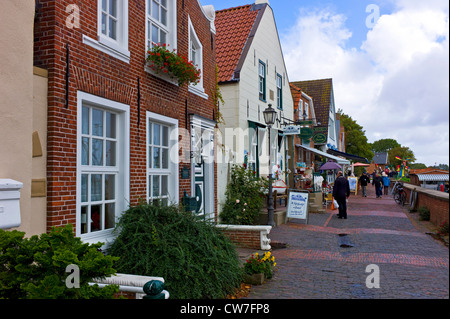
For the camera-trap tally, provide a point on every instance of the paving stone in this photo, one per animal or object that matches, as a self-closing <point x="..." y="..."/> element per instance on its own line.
<point x="412" y="265"/>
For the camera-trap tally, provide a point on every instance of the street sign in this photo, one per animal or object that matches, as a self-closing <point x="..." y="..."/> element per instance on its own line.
<point x="291" y="130"/>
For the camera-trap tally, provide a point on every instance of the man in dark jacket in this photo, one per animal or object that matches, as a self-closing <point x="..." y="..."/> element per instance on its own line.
<point x="377" y="182"/>
<point x="364" y="181"/>
<point x="341" y="191"/>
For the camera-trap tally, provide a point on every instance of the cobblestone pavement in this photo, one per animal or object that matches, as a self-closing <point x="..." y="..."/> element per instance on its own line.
<point x="315" y="266"/>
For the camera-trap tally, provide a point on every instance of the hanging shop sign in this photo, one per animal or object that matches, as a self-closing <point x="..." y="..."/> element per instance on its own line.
<point x="291" y="130"/>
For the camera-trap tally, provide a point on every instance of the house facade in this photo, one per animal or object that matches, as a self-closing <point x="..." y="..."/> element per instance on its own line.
<point x="23" y="118"/>
<point x="119" y="132"/>
<point x="252" y="75"/>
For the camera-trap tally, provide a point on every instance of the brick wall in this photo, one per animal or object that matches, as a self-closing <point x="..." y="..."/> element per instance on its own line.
<point x="98" y="73"/>
<point x="244" y="238"/>
<point x="437" y="202"/>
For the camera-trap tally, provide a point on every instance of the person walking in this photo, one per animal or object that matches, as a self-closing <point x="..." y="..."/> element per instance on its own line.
<point x="386" y="183"/>
<point x="364" y="180"/>
<point x="377" y="182"/>
<point x="341" y="191"/>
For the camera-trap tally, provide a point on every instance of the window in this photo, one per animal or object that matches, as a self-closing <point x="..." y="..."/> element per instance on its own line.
<point x="262" y="81"/>
<point x="161" y="22"/>
<point x="162" y="156"/>
<point x="112" y="29"/>
<point x="196" y="56"/>
<point x="102" y="177"/>
<point x="279" y="92"/>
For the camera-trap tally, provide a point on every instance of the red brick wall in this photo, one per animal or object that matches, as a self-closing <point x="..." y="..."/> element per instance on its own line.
<point x="438" y="206"/>
<point x="244" y="238"/>
<point x="98" y="73"/>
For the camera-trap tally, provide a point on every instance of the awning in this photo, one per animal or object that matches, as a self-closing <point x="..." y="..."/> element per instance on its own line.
<point x="433" y="177"/>
<point x="349" y="156"/>
<point x="335" y="158"/>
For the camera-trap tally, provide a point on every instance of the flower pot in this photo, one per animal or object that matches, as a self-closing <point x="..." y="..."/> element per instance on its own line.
<point x="255" y="279"/>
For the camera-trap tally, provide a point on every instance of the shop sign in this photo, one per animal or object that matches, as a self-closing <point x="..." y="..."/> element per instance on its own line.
<point x="291" y="130"/>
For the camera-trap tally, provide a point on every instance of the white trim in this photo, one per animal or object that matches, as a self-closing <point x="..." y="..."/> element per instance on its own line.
<point x="173" y="154"/>
<point x="193" y="39"/>
<point x="264" y="232"/>
<point x="171" y="25"/>
<point x="123" y="111"/>
<point x="122" y="55"/>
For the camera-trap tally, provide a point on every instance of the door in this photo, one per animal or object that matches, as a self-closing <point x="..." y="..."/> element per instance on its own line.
<point x="202" y="166"/>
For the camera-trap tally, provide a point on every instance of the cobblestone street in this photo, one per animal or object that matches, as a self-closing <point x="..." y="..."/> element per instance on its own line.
<point x="315" y="266"/>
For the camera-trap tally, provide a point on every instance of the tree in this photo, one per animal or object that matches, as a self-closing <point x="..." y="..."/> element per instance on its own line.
<point x="403" y="152"/>
<point x="356" y="142"/>
<point x="384" y="145"/>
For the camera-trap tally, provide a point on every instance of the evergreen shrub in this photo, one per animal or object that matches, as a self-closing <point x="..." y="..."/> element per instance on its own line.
<point x="35" y="267"/>
<point x="194" y="257"/>
<point x="424" y="213"/>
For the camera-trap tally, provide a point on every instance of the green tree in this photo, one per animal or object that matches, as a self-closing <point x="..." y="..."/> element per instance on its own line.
<point x="402" y="152"/>
<point x="384" y="145"/>
<point x="356" y="142"/>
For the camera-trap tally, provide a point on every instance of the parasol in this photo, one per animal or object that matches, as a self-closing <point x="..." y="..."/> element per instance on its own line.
<point x="330" y="166"/>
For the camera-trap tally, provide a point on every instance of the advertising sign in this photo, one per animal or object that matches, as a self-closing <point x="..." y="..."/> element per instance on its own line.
<point x="298" y="206"/>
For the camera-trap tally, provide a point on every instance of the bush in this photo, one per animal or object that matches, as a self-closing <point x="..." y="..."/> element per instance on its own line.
<point x="195" y="258"/>
<point x="424" y="213"/>
<point x="244" y="199"/>
<point x="443" y="228"/>
<point x="35" y="268"/>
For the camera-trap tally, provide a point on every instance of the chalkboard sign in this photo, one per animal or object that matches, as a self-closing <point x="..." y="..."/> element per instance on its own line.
<point x="353" y="181"/>
<point x="298" y="205"/>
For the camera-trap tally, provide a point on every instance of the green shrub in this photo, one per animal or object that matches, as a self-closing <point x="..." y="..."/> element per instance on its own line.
<point x="424" y="213"/>
<point x="244" y="199"/>
<point x="35" y="267"/>
<point x="194" y="257"/>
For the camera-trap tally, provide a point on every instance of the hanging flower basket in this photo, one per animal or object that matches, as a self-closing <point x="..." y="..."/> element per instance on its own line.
<point x="162" y="60"/>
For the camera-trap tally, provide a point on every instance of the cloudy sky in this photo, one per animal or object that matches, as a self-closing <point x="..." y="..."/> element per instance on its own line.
<point x="389" y="60"/>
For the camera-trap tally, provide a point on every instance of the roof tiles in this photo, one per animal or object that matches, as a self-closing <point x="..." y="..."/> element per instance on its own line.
<point x="233" y="28"/>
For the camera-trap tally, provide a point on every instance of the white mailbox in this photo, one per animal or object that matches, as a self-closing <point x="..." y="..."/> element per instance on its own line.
<point x="9" y="203"/>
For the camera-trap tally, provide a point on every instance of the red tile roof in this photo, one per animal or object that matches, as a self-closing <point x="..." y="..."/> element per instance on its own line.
<point x="233" y="27"/>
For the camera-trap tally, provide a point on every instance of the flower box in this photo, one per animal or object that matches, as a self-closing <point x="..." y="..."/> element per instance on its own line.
<point x="255" y="279"/>
<point x="163" y="61"/>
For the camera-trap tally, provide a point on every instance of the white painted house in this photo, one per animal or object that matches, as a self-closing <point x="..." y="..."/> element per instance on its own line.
<point x="252" y="75"/>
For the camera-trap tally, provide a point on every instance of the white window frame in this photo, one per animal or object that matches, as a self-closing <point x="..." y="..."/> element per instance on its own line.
<point x="122" y="182"/>
<point x="172" y="171"/>
<point x="170" y="28"/>
<point x="195" y="42"/>
<point x="117" y="48"/>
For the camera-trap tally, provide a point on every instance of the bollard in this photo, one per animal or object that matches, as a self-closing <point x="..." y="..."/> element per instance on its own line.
<point x="154" y="290"/>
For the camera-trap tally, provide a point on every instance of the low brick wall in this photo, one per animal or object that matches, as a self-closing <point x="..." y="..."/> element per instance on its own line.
<point x="253" y="237"/>
<point x="437" y="202"/>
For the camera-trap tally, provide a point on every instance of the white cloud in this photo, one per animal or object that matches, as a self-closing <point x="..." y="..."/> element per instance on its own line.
<point x="396" y="85"/>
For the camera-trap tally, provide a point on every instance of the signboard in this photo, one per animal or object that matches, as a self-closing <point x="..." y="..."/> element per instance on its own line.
<point x="306" y="122"/>
<point x="306" y="133"/>
<point x="353" y="181"/>
<point x="291" y="130"/>
<point x="320" y="138"/>
<point x="298" y="205"/>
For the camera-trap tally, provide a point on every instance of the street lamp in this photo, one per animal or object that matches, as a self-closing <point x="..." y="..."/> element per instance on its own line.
<point x="270" y="116"/>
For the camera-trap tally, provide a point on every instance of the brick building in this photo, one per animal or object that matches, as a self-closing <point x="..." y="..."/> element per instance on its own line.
<point x="117" y="131"/>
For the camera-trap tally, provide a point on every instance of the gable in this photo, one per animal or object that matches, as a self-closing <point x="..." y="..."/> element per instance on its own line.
<point x="233" y="28"/>
<point x="321" y="93"/>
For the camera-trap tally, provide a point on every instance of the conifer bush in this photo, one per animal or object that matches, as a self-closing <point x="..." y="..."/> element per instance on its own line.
<point x="195" y="258"/>
<point x="35" y="267"/>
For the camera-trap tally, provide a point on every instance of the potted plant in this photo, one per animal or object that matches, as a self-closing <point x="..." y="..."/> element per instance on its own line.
<point x="258" y="268"/>
<point x="162" y="60"/>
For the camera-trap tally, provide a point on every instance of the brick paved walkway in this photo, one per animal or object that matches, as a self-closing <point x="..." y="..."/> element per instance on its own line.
<point x="315" y="266"/>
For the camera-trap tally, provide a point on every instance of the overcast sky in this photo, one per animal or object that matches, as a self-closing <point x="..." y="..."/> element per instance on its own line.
<point x="389" y="60"/>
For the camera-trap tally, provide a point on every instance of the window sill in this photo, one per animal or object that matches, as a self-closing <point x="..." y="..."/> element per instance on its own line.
<point x="198" y="91"/>
<point x="122" y="54"/>
<point x="162" y="76"/>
